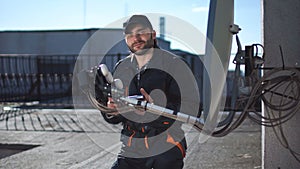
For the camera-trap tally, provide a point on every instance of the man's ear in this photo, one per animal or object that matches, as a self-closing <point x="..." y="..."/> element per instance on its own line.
<point x="153" y="34"/>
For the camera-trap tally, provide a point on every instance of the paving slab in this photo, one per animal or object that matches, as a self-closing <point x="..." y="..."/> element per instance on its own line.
<point x="82" y="139"/>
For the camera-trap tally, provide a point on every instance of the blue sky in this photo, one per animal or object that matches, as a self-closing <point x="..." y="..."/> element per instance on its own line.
<point x="78" y="14"/>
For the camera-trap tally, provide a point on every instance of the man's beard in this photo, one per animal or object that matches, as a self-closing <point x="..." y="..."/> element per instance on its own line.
<point x="148" y="44"/>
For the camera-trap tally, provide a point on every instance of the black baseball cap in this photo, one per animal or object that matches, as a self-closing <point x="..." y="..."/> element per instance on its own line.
<point x="136" y="19"/>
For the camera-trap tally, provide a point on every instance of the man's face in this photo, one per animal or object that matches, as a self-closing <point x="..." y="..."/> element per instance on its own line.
<point x="139" y="39"/>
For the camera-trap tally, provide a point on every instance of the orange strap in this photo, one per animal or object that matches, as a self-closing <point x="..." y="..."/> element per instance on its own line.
<point x="166" y="122"/>
<point x="130" y="139"/>
<point x="145" y="139"/>
<point x="146" y="142"/>
<point x="132" y="135"/>
<point x="170" y="139"/>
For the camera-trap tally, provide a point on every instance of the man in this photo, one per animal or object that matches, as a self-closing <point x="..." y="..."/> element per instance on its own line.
<point x="149" y="141"/>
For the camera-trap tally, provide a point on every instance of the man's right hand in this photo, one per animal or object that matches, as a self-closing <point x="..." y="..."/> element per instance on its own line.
<point x="111" y="104"/>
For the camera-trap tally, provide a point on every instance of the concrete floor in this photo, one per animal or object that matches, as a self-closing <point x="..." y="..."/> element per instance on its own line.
<point x="81" y="139"/>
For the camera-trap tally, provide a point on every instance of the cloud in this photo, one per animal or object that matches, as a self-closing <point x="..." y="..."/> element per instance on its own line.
<point x="200" y="9"/>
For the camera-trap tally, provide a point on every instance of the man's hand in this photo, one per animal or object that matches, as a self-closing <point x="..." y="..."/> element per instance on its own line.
<point x="146" y="95"/>
<point x="111" y="104"/>
<point x="147" y="98"/>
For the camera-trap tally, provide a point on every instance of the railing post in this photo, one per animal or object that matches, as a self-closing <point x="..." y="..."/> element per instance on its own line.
<point x="38" y="78"/>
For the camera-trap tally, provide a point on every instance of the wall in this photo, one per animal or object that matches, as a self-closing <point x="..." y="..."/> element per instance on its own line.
<point x="52" y="42"/>
<point x="281" y="27"/>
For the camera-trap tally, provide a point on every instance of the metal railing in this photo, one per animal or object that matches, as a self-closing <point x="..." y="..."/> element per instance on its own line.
<point x="48" y="78"/>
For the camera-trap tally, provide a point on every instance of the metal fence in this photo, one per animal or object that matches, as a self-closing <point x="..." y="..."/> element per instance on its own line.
<point x="44" y="79"/>
<point x="48" y="78"/>
<point x="25" y="78"/>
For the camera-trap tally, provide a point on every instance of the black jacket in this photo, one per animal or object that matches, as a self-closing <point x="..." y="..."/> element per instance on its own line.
<point x="157" y="78"/>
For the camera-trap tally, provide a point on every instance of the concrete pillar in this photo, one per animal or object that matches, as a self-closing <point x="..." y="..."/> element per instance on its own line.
<point x="281" y="27"/>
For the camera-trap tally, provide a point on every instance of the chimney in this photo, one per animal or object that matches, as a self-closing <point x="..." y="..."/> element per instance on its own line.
<point x="162" y="27"/>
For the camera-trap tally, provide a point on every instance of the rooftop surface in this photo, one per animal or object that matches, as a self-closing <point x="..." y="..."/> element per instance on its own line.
<point x="65" y="138"/>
